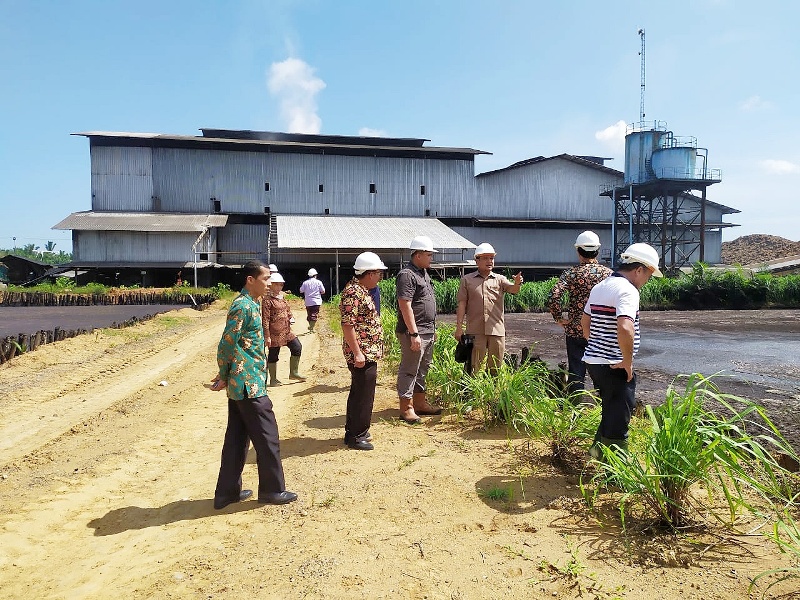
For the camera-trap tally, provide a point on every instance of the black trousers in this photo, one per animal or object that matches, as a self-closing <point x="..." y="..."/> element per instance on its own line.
<point x="360" y="401"/>
<point x="618" y="396"/>
<point x="295" y="349"/>
<point x="576" y="346"/>
<point x="253" y="419"/>
<point x="312" y="312"/>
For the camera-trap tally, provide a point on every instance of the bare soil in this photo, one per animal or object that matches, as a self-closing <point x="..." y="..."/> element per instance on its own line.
<point x="107" y="477"/>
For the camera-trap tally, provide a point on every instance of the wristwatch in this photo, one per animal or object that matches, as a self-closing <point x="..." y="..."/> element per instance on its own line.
<point x="415" y="334"/>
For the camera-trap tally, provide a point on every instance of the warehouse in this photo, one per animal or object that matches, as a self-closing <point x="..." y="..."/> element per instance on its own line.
<point x="204" y="205"/>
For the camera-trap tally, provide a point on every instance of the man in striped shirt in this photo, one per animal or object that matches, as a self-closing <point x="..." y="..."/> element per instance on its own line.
<point x="610" y="323"/>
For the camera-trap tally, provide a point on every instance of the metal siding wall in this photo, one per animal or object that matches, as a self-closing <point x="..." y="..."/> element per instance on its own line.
<point x="540" y="247"/>
<point x="122" y="179"/>
<point x="135" y="246"/>
<point x="713" y="249"/>
<point x="239" y="243"/>
<point x="294" y="183"/>
<point x="186" y="180"/>
<point x="552" y="189"/>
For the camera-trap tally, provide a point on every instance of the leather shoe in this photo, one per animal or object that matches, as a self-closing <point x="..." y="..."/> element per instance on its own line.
<point x="360" y="445"/>
<point x="428" y="410"/>
<point x="220" y="503"/>
<point x="283" y="497"/>
<point x="412" y="421"/>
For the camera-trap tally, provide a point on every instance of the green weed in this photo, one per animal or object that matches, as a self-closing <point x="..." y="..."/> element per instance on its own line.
<point x="497" y="494"/>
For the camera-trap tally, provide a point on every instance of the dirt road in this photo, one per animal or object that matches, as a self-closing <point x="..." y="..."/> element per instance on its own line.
<point x="106" y="479"/>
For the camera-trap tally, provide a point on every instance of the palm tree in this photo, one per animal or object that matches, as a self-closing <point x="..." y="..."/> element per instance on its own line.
<point x="30" y="251"/>
<point x="50" y="247"/>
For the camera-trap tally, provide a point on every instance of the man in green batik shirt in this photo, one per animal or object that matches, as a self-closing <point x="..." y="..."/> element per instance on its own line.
<point x="242" y="371"/>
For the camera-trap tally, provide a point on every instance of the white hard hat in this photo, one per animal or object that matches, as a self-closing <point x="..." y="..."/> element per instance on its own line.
<point x="276" y="278"/>
<point x="312" y="271"/>
<point x="484" y="248"/>
<point x="368" y="261"/>
<point x="422" y="242"/>
<point x="273" y="268"/>
<point x="642" y="253"/>
<point x="588" y="240"/>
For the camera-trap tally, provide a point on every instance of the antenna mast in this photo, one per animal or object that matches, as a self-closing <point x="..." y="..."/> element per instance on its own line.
<point x="641" y="101"/>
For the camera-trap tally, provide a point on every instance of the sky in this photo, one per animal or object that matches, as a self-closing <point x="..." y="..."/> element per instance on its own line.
<point x="518" y="79"/>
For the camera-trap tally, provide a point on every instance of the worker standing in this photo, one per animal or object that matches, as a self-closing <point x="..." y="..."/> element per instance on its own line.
<point x="611" y="325"/>
<point x="576" y="283"/>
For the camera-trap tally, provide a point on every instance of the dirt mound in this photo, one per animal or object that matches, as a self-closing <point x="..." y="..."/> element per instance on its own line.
<point x="757" y="248"/>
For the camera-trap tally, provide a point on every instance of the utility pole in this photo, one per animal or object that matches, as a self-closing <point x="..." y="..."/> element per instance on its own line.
<point x="641" y="101"/>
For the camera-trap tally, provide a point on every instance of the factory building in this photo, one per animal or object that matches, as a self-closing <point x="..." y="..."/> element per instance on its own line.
<point x="198" y="207"/>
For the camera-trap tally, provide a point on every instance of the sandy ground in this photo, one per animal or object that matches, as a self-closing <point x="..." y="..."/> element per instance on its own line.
<point x="107" y="477"/>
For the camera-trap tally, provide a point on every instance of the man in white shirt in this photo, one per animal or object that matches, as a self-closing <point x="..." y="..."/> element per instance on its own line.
<point x="610" y="323"/>
<point x="312" y="290"/>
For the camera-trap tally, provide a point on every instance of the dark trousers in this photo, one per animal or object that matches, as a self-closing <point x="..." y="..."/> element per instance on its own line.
<point x="295" y="349"/>
<point x="312" y="312"/>
<point x="360" y="401"/>
<point x="253" y="419"/>
<point x="576" y="346"/>
<point x="618" y="398"/>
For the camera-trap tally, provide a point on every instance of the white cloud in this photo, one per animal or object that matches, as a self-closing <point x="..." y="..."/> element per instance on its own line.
<point x="369" y="132"/>
<point x="754" y="103"/>
<point x="294" y="84"/>
<point x="613" y="136"/>
<point x="780" y="167"/>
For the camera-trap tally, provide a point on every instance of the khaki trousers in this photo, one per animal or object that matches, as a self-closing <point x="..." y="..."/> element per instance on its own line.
<point x="490" y="348"/>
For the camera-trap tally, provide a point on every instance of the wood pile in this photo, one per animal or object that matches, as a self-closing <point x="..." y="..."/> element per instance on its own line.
<point x="757" y="248"/>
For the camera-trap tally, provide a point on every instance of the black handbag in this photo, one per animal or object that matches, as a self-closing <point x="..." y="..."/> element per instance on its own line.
<point x="463" y="350"/>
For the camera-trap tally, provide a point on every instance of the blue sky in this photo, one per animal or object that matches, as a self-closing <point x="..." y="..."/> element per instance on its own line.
<point x="518" y="79"/>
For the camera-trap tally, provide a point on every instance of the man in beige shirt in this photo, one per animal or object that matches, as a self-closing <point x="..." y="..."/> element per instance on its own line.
<point x="480" y="299"/>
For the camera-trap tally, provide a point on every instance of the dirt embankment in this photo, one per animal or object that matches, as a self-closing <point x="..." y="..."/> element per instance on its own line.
<point x="106" y="479"/>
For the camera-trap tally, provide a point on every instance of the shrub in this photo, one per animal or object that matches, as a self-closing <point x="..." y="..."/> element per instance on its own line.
<point x="688" y="444"/>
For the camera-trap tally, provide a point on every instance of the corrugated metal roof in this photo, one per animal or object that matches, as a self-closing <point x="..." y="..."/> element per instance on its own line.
<point x="570" y="157"/>
<point x="116" y="264"/>
<point x="280" y="136"/>
<point x="120" y="221"/>
<point x="141" y="139"/>
<point x="375" y="233"/>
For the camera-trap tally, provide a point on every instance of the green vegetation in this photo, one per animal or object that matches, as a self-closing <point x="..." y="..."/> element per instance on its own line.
<point x="47" y="255"/>
<point x="704" y="288"/>
<point x="65" y="285"/>
<point x="786" y="534"/>
<point x="701" y="289"/>
<point x="728" y="452"/>
<point x="497" y="494"/>
<point x="169" y="321"/>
